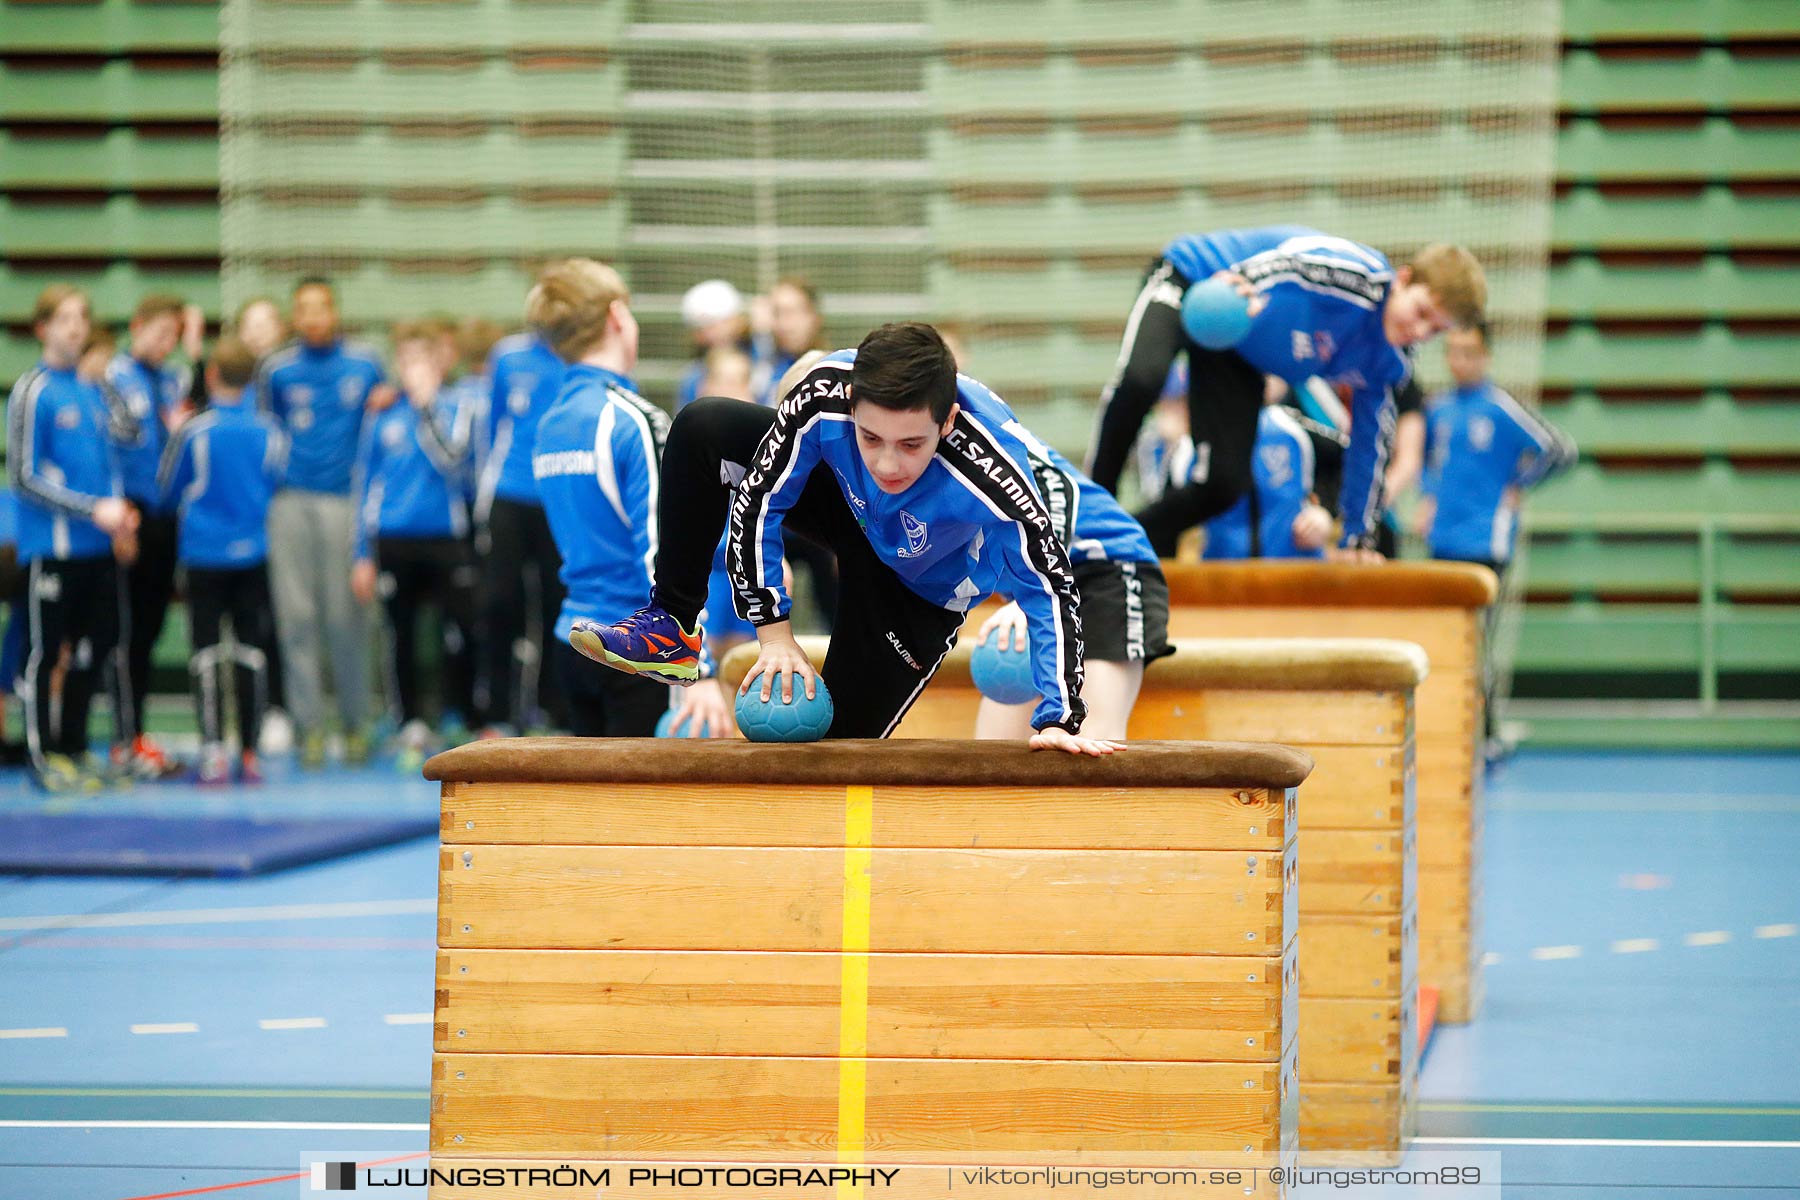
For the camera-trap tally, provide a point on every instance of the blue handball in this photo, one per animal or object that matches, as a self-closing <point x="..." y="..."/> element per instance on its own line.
<point x="689" y="728"/>
<point x="802" y="721"/>
<point x="1215" y="315"/>
<point x="1003" y="675"/>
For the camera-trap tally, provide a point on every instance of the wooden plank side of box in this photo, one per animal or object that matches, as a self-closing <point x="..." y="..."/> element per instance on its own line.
<point x="1023" y="1006"/>
<point x="915" y="1110"/>
<point x="733" y="898"/>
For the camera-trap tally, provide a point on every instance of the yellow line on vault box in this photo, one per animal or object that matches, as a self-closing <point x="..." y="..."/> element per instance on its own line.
<point x="853" y="1005"/>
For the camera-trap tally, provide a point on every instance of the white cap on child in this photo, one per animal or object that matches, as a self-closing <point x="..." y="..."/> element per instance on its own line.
<point x="710" y="301"/>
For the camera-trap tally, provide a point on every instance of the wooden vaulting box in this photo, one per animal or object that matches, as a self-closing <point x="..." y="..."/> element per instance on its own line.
<point x="1439" y="606"/>
<point x="900" y="952"/>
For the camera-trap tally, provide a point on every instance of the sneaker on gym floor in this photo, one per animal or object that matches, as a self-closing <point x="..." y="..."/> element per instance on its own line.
<point x="356" y="747"/>
<point x="250" y="768"/>
<point x="215" y="766"/>
<point x="412" y="746"/>
<point x="277" y="736"/>
<point x="106" y="772"/>
<point x="150" y="761"/>
<point x="312" y="749"/>
<point x="648" y="642"/>
<point x="61" y="775"/>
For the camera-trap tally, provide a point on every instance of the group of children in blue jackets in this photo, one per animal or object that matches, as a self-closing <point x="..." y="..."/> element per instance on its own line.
<point x="310" y="486"/>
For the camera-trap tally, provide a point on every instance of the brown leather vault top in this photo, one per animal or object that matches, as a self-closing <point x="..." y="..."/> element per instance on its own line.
<point x="897" y="763"/>
<point x="1300" y="584"/>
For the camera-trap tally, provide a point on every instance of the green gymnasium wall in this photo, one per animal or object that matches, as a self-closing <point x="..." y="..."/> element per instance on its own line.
<point x="1666" y="564"/>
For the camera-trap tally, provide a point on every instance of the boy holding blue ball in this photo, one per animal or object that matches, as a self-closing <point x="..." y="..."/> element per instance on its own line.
<point x="931" y="495"/>
<point x="1313" y="305"/>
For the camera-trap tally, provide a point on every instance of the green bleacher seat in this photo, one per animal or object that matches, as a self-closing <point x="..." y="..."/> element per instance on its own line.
<point x="109" y="159"/>
<point x="1589" y="490"/>
<point x="1713" y="80"/>
<point x="1585" y="287"/>
<point x="1716" y="424"/>
<point x="1060" y="359"/>
<point x="1718" y="218"/>
<point x="115" y="287"/>
<point x="114" y="91"/>
<point x="109" y="27"/>
<point x="486" y="25"/>
<point x="1714" y="358"/>
<point x="1171" y="156"/>
<point x="491" y="88"/>
<point x="1758" y="639"/>
<point x="1188" y="84"/>
<point x="495" y="157"/>
<point x="494" y="226"/>
<point x="1588" y="636"/>
<point x="117" y="227"/>
<point x="1767" y="566"/>
<point x="775" y="12"/>
<point x="1679" y="20"/>
<point x="1709" y="150"/>
<point x="1579" y="563"/>
<point x="1077" y="23"/>
<point x="1713" y="149"/>
<point x="1058" y="291"/>
<point x="1662" y="564"/>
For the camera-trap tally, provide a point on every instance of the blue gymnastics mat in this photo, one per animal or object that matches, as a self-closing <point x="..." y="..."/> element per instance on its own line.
<point x="220" y="846"/>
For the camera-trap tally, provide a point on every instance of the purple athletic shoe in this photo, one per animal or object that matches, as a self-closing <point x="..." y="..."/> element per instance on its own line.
<point x="648" y="642"/>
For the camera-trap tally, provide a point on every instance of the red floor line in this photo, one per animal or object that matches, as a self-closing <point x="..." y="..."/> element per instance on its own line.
<point x="227" y="1187"/>
<point x="1428" y="1009"/>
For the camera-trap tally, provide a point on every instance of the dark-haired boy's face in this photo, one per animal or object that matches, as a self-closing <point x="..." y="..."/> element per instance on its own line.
<point x="897" y="447"/>
<point x="315" y="315"/>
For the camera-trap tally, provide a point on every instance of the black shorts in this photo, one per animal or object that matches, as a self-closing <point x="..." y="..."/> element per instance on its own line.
<point x="1124" y="611"/>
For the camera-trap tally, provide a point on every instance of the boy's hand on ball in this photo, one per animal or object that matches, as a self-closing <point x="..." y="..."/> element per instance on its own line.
<point x="780" y="656"/>
<point x="1010" y="621"/>
<point x="1246" y="289"/>
<point x="703" y="706"/>
<point x="1055" y="737"/>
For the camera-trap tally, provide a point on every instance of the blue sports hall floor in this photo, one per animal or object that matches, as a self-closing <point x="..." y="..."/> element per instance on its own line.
<point x="1641" y="1033"/>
